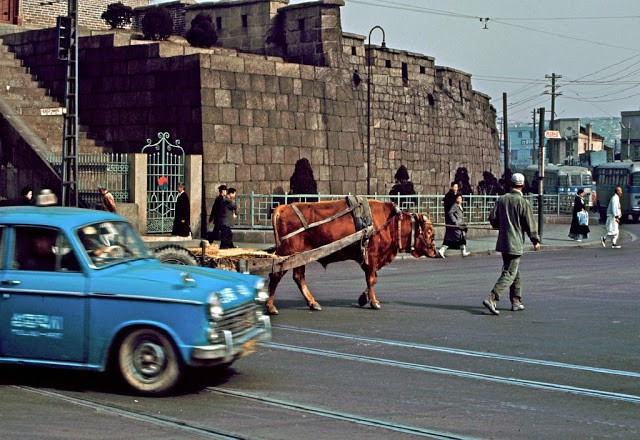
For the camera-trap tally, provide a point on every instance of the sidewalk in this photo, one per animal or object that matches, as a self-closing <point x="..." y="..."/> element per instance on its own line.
<point x="554" y="236"/>
<point x="481" y="239"/>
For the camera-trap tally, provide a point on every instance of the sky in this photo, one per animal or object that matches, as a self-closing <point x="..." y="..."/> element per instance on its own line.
<point x="594" y="45"/>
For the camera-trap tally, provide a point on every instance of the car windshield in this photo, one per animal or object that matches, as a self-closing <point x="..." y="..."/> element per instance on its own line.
<point x="107" y="243"/>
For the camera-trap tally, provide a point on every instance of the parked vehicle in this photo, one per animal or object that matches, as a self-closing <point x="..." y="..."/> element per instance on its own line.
<point x="626" y="175"/>
<point x="564" y="180"/>
<point x="80" y="290"/>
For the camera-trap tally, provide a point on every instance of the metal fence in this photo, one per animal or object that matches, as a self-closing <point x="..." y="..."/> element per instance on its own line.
<point x="108" y="169"/>
<point x="254" y="210"/>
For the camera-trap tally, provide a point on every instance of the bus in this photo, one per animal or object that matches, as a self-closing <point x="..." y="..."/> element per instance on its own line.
<point x="625" y="174"/>
<point x="562" y="179"/>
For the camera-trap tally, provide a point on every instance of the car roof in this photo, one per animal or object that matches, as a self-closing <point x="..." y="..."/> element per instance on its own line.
<point x="56" y="216"/>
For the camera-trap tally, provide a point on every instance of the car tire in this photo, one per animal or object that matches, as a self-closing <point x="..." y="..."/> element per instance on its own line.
<point x="148" y="362"/>
<point x="173" y="254"/>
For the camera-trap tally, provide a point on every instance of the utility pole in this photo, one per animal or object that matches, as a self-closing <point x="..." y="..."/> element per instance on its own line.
<point x="541" y="172"/>
<point x="533" y="155"/>
<point x="68" y="51"/>
<point x="505" y="132"/>
<point x="553" y="93"/>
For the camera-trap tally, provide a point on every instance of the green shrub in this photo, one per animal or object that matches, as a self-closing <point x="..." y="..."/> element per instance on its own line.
<point x="202" y="32"/>
<point x="118" y="15"/>
<point x="157" y="24"/>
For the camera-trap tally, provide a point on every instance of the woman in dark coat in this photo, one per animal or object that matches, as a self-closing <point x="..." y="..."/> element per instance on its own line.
<point x="455" y="230"/>
<point x="577" y="231"/>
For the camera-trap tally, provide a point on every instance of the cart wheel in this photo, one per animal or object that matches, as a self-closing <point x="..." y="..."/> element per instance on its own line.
<point x="173" y="254"/>
<point x="148" y="362"/>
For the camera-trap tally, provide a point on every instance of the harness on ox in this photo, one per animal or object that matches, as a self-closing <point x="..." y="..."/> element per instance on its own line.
<point x="363" y="221"/>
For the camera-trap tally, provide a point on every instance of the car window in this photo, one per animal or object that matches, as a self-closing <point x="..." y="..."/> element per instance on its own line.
<point x="43" y="249"/>
<point x="111" y="242"/>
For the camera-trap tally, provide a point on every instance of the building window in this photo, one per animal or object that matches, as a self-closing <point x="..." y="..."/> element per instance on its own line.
<point x="405" y="73"/>
<point x="431" y="100"/>
<point x="519" y="135"/>
<point x="423" y="70"/>
<point x="450" y="82"/>
<point x="301" y="24"/>
<point x="219" y="23"/>
<point x="353" y="50"/>
<point x="387" y="64"/>
<point x="245" y="21"/>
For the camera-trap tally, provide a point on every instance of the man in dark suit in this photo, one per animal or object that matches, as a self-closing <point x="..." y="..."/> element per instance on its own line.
<point x="215" y="216"/>
<point x="228" y="216"/>
<point x="182" y="220"/>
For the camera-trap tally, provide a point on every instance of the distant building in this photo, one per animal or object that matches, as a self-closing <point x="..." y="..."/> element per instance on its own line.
<point x="575" y="141"/>
<point x="630" y="135"/>
<point x="522" y="146"/>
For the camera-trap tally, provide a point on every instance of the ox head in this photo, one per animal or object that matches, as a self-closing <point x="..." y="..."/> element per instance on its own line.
<point x="425" y="241"/>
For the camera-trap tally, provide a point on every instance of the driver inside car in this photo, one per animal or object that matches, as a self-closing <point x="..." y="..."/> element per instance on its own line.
<point x="95" y="246"/>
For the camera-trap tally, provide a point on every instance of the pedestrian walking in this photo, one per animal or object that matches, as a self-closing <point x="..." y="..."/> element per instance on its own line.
<point x="108" y="203"/>
<point x="27" y="196"/>
<point x="214" y="217"/>
<point x="182" y="219"/>
<point x="455" y="230"/>
<point x="614" y="212"/>
<point x="513" y="217"/>
<point x="228" y="212"/>
<point x="579" y="229"/>
<point x="450" y="199"/>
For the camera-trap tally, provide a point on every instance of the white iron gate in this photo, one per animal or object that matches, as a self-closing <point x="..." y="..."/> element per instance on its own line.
<point x="165" y="169"/>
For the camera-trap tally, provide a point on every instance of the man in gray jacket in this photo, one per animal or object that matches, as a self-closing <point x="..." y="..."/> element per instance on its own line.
<point x="513" y="216"/>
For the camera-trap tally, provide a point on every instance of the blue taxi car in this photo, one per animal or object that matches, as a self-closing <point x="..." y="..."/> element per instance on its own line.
<point x="79" y="290"/>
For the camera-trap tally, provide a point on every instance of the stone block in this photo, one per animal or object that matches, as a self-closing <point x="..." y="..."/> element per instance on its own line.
<point x="221" y="134"/>
<point x="249" y="155"/>
<point x="255" y="136"/>
<point x="287" y="70"/>
<point x="222" y="98"/>
<point x="230" y="116"/>
<point x="246" y="117"/>
<point x="265" y="155"/>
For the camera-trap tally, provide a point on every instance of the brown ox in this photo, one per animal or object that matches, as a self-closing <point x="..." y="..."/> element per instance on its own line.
<point x="393" y="231"/>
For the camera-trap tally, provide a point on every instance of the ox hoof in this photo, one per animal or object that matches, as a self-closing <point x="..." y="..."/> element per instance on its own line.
<point x="363" y="300"/>
<point x="315" y="306"/>
<point x="375" y="305"/>
<point x="272" y="310"/>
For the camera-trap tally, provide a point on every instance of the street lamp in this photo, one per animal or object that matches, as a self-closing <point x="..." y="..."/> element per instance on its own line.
<point x="369" y="103"/>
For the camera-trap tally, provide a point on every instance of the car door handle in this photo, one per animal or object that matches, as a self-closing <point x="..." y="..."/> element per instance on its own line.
<point x="10" y="282"/>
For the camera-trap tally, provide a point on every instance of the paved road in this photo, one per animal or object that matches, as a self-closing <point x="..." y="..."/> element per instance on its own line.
<point x="432" y="363"/>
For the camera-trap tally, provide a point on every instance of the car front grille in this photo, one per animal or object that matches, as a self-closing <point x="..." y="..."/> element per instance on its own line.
<point x="239" y="320"/>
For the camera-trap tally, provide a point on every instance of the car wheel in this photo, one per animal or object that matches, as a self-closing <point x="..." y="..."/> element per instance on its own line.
<point x="148" y="362"/>
<point x="176" y="255"/>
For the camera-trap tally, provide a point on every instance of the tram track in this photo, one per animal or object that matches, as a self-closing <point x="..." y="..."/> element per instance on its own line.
<point x="462" y="352"/>
<point x="512" y="381"/>
<point x="183" y="426"/>
<point x="178" y="426"/>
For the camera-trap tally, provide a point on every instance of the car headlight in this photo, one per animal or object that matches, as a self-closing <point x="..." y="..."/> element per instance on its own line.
<point x="262" y="293"/>
<point x="215" y="306"/>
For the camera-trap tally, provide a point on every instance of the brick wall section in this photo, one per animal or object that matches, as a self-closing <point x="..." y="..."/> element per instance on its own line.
<point x="423" y="116"/>
<point x="176" y="9"/>
<point x="34" y="13"/>
<point x="253" y="116"/>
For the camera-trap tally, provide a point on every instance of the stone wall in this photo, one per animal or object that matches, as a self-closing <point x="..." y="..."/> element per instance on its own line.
<point x="39" y="13"/>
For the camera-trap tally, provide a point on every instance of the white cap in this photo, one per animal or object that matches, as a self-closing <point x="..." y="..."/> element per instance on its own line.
<point x="517" y="179"/>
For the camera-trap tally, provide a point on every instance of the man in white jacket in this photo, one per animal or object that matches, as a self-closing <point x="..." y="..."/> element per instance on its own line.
<point x="613" y="220"/>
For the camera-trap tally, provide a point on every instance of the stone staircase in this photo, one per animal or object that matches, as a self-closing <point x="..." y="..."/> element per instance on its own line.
<point x="22" y="91"/>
